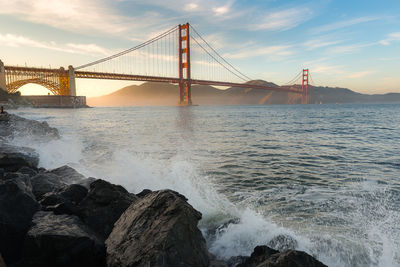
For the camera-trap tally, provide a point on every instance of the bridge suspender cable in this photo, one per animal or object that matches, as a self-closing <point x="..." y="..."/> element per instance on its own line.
<point x="128" y="50"/>
<point x="245" y="76"/>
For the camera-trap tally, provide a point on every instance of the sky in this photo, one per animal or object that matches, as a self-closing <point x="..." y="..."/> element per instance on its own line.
<point x="352" y="44"/>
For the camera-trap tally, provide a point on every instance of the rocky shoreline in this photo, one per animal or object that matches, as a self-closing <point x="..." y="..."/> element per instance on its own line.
<point x="59" y="217"/>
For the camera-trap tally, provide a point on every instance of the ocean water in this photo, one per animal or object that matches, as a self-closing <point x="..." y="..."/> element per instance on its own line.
<point x="325" y="176"/>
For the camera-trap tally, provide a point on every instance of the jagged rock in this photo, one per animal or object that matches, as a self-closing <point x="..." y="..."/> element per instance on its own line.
<point x="22" y="127"/>
<point x="44" y="183"/>
<point x="86" y="182"/>
<point x="26" y="170"/>
<point x="22" y="180"/>
<point x="17" y="207"/>
<point x="214" y="262"/>
<point x="67" y="174"/>
<point x="103" y="205"/>
<point x="13" y="158"/>
<point x="259" y="255"/>
<point x="158" y="230"/>
<point x="74" y="193"/>
<point x="264" y="256"/>
<point x="65" y="200"/>
<point x="283" y="243"/>
<point x="2" y="263"/>
<point x="61" y="240"/>
<point x="292" y="258"/>
<point x="144" y="193"/>
<point x="237" y="261"/>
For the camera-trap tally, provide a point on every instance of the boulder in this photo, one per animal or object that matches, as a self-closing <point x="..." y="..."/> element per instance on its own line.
<point x="144" y="193"/>
<point x="61" y="240"/>
<point x="103" y="205"/>
<point x="65" y="200"/>
<point x="43" y="183"/>
<point x="86" y="182"/>
<point x="17" y="207"/>
<point x="67" y="174"/>
<point x="158" y="230"/>
<point x="2" y="263"/>
<point x="13" y="158"/>
<point x="292" y="258"/>
<point x="29" y="171"/>
<point x="264" y="256"/>
<point x="22" y="180"/>
<point x="22" y="127"/>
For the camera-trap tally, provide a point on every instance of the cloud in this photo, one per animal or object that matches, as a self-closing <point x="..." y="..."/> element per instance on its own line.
<point x="283" y="20"/>
<point x="360" y="74"/>
<point x="344" y="49"/>
<point x="89" y="16"/>
<point x="342" y="24"/>
<point x="272" y="52"/>
<point x="395" y="36"/>
<point x="319" y="43"/>
<point x="326" y="69"/>
<point x="191" y="7"/>
<point x="13" y="40"/>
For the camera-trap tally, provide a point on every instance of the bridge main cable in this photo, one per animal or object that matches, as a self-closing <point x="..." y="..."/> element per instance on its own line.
<point x="128" y="50"/>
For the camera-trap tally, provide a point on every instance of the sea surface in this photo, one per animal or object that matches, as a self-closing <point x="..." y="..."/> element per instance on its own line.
<point x="325" y="177"/>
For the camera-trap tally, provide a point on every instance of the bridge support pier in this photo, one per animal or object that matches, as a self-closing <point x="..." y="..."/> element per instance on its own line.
<point x="72" y="86"/>
<point x="185" y="87"/>
<point x="304" y="86"/>
<point x="2" y="76"/>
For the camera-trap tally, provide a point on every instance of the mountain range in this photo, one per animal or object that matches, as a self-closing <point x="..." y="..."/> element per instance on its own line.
<point x="154" y="94"/>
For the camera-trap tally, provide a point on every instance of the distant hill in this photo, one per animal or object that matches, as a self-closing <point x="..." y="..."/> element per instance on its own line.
<point x="154" y="94"/>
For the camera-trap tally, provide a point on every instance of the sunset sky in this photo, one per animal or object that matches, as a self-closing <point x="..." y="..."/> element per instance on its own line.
<point x="353" y="44"/>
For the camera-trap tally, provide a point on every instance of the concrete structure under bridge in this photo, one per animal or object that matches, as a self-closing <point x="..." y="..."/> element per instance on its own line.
<point x="60" y="82"/>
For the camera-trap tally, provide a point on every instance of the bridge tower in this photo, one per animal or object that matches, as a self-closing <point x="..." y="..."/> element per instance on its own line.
<point x="2" y="76"/>
<point x="185" y="91"/>
<point x="304" y="86"/>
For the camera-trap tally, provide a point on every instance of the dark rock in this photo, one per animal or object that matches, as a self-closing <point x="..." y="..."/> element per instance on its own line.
<point x="65" y="200"/>
<point x="62" y="208"/>
<point x="44" y="183"/>
<point x="23" y="181"/>
<point x="2" y="263"/>
<point x="283" y="243"/>
<point x="13" y="158"/>
<point x="67" y="174"/>
<point x="144" y="193"/>
<point x="292" y="258"/>
<point x="103" y="205"/>
<point x="158" y="230"/>
<point x="214" y="262"/>
<point x="24" y="127"/>
<point x="74" y="193"/>
<point x="29" y="171"/>
<point x="87" y="182"/>
<point x="61" y="240"/>
<point x="1" y="173"/>
<point x="237" y="261"/>
<point x="264" y="256"/>
<point x="17" y="207"/>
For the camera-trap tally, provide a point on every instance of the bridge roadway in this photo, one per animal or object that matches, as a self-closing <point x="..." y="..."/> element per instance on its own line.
<point x="32" y="72"/>
<point x="130" y="77"/>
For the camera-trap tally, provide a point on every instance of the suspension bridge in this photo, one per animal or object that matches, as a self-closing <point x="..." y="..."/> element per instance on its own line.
<point x="179" y="55"/>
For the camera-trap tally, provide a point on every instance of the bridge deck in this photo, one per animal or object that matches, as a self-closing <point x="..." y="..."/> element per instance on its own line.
<point x="130" y="77"/>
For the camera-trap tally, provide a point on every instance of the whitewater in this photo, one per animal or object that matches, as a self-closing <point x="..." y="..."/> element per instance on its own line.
<point x="324" y="176"/>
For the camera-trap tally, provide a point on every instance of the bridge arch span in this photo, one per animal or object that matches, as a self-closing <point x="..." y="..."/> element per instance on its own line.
<point x="51" y="86"/>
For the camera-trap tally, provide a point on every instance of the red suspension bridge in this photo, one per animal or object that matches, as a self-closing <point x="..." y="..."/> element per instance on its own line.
<point x="179" y="56"/>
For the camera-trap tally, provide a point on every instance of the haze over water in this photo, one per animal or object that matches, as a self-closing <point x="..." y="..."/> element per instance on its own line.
<point x="325" y="175"/>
